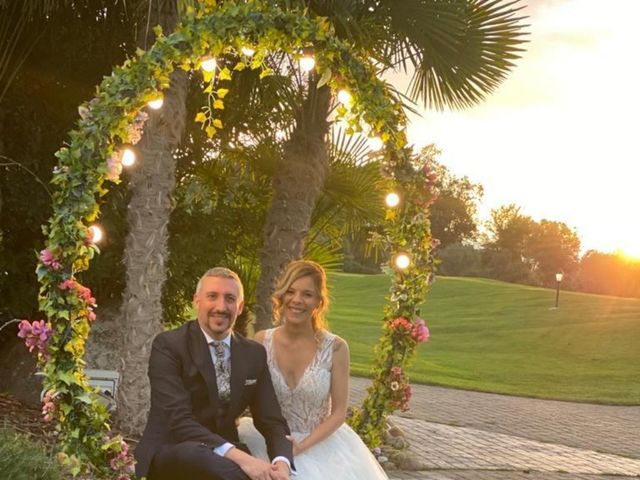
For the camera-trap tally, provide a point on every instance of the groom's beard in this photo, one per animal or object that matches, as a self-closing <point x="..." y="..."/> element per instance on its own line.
<point x="220" y="321"/>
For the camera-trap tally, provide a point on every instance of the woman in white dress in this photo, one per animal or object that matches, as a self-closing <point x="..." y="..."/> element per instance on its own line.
<point x="310" y="372"/>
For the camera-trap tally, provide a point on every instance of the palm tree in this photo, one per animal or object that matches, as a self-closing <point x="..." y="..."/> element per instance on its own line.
<point x="152" y="185"/>
<point x="458" y="51"/>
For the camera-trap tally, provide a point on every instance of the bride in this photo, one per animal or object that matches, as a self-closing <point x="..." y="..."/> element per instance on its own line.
<point x="310" y="372"/>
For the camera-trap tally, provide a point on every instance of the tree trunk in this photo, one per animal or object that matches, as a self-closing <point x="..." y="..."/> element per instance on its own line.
<point x="297" y="183"/>
<point x="152" y="185"/>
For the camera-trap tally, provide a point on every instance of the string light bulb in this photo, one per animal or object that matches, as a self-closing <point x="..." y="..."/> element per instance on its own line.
<point x="392" y="199"/>
<point x="402" y="261"/>
<point x="157" y="103"/>
<point x="375" y="143"/>
<point x="208" y="64"/>
<point x="248" y="51"/>
<point x="95" y="234"/>
<point x="307" y="62"/>
<point x="344" y="97"/>
<point x="128" y="157"/>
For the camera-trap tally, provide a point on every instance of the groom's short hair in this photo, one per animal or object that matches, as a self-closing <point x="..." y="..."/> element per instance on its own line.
<point x="222" y="272"/>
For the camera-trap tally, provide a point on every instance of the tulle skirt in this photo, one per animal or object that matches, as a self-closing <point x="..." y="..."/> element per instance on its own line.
<point x="341" y="456"/>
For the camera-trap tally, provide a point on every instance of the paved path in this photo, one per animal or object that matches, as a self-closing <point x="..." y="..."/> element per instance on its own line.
<point x="463" y="435"/>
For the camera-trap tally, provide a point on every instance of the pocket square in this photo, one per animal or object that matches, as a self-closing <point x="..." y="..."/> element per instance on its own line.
<point x="250" y="381"/>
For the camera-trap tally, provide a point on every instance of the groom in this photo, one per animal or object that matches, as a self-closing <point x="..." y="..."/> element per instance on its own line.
<point x="203" y="377"/>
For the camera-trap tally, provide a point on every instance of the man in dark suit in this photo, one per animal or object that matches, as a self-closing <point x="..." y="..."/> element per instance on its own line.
<point x="203" y="377"/>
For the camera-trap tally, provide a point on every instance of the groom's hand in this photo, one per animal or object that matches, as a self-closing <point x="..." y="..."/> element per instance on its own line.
<point x="255" y="468"/>
<point x="280" y="471"/>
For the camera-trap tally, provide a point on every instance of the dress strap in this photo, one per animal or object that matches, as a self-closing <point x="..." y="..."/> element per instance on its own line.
<point x="325" y="350"/>
<point x="268" y="344"/>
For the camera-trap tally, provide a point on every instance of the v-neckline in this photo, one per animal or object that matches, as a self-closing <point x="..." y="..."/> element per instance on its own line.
<point x="276" y="366"/>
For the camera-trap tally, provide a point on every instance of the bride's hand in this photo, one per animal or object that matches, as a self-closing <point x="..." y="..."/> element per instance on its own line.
<point x="296" y="445"/>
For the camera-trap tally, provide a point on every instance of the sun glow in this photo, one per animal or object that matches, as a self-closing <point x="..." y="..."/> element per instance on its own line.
<point x="631" y="253"/>
<point x="554" y="112"/>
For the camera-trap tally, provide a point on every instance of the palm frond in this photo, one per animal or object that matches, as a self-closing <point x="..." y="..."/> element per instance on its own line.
<point x="459" y="50"/>
<point x="350" y="200"/>
<point x="327" y="254"/>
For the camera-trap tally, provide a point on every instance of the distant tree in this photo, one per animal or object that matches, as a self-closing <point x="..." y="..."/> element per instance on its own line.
<point x="609" y="274"/>
<point x="518" y="249"/>
<point x="461" y="260"/>
<point x="552" y="247"/>
<point x="501" y="265"/>
<point x="509" y="230"/>
<point x="453" y="215"/>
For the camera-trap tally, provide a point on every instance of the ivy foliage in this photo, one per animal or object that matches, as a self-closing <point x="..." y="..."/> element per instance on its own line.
<point x="406" y="232"/>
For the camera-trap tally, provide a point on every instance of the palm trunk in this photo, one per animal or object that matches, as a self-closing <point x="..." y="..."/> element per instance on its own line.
<point x="152" y="185"/>
<point x="297" y="183"/>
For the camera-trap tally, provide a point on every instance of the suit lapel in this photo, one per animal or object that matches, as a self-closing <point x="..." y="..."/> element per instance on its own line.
<point x="201" y="356"/>
<point x="238" y="370"/>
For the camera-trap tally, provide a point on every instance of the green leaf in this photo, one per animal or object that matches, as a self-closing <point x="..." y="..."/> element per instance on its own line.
<point x="85" y="398"/>
<point x="225" y="74"/>
<point x="325" y="77"/>
<point x="66" y="377"/>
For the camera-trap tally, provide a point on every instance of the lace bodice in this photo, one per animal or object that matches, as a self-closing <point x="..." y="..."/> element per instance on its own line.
<point x="309" y="402"/>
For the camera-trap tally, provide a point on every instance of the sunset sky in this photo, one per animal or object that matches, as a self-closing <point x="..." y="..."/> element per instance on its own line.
<point x="560" y="136"/>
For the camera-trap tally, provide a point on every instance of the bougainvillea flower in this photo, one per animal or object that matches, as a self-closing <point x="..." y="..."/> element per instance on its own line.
<point x="47" y="258"/>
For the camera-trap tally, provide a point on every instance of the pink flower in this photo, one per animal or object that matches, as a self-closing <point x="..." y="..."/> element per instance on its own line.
<point x="91" y="315"/>
<point x="24" y="328"/>
<point x="396" y="371"/>
<point x="35" y="334"/>
<point x="406" y="397"/>
<point x="48" y="407"/>
<point x="401" y="323"/>
<point x="135" y="130"/>
<point x="47" y="259"/>
<point x="114" y="166"/>
<point x="85" y="294"/>
<point x="68" y="284"/>
<point x="420" y="331"/>
<point x="121" y="461"/>
<point x="82" y="292"/>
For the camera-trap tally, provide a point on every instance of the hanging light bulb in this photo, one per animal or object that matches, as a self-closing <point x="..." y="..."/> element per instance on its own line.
<point x="248" y="51"/>
<point x="95" y="234"/>
<point x="375" y="143"/>
<point x="392" y="199"/>
<point x="344" y="97"/>
<point x="402" y="261"/>
<point x="128" y="157"/>
<point x="208" y="64"/>
<point x="307" y="62"/>
<point x="156" y="104"/>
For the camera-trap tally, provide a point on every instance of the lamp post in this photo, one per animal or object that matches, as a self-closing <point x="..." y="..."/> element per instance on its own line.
<point x="559" y="276"/>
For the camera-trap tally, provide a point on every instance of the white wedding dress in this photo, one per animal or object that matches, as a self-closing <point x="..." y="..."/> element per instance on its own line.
<point x="342" y="455"/>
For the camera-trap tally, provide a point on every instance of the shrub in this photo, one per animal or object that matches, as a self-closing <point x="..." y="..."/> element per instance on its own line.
<point x="22" y="458"/>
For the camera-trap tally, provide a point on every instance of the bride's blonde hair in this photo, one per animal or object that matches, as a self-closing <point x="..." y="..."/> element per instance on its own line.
<point x="295" y="270"/>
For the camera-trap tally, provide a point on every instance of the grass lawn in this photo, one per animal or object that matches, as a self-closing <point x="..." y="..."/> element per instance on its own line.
<point x="500" y="337"/>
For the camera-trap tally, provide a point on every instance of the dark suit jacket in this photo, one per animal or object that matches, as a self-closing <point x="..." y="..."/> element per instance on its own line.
<point x="184" y="395"/>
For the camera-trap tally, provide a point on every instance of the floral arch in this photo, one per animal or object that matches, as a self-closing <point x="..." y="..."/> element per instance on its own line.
<point x="97" y="150"/>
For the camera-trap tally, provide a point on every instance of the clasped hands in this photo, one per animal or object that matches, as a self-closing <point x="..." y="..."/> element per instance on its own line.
<point x="261" y="470"/>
